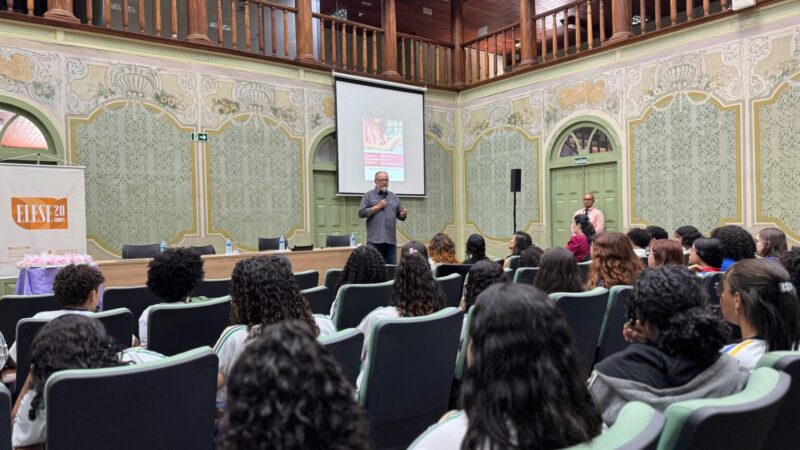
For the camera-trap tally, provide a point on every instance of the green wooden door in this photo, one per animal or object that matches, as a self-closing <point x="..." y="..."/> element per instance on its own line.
<point x="601" y="180"/>
<point x="334" y="214"/>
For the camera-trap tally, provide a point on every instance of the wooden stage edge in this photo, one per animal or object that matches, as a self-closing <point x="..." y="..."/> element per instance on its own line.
<point x="133" y="272"/>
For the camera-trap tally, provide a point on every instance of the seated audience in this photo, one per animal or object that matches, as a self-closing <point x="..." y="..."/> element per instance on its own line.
<point x="286" y="391"/>
<point x="737" y="244"/>
<point x="559" y="272"/>
<point x="705" y="256"/>
<point x="771" y="243"/>
<point x="71" y="341"/>
<point x="686" y="235"/>
<point x="365" y="265"/>
<point x="172" y="275"/>
<point x="414" y="247"/>
<point x="791" y="262"/>
<point x="641" y="239"/>
<point x="675" y="352"/>
<point x="263" y="292"/>
<point x="441" y="250"/>
<point x="3" y="351"/>
<point x="657" y="232"/>
<point x="518" y="243"/>
<point x="664" y="252"/>
<point x="759" y="297"/>
<point x="613" y="261"/>
<point x="531" y="257"/>
<point x="475" y="249"/>
<point x="482" y="275"/>
<point x="582" y="235"/>
<point x="522" y="387"/>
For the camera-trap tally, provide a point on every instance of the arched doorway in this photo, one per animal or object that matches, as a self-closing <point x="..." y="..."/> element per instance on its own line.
<point x="24" y="138"/>
<point x="584" y="158"/>
<point x="331" y="213"/>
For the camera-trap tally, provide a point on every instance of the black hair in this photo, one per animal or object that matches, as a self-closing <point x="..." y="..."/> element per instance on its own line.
<point x="416" y="292"/>
<point x="791" y="262"/>
<point x="522" y="241"/>
<point x="71" y="341"/>
<point x="523" y="387"/>
<point x="582" y="220"/>
<point x="418" y="247"/>
<point x="73" y="284"/>
<point x="640" y="237"/>
<point x="657" y="232"/>
<point x="737" y="243"/>
<point x="688" y="235"/>
<point x="674" y="301"/>
<point x="174" y="273"/>
<point x="531" y="257"/>
<point x="709" y="250"/>
<point x="476" y="247"/>
<point x="483" y="274"/>
<point x="559" y="272"/>
<point x="264" y="292"/>
<point x="365" y="265"/>
<point x="287" y="391"/>
<point x="769" y="305"/>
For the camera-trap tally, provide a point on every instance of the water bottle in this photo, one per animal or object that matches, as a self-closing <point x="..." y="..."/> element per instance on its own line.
<point x="352" y="239"/>
<point x="228" y="247"/>
<point x="282" y="243"/>
<point x="163" y="247"/>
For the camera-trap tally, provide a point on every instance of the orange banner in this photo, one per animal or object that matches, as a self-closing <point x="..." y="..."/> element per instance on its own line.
<point x="40" y="213"/>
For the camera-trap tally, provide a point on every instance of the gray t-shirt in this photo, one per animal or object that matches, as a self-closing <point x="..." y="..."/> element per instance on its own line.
<point x="382" y="225"/>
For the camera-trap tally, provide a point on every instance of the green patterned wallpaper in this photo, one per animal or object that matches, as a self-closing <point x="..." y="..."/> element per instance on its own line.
<point x="139" y="175"/>
<point x="686" y="164"/>
<point x="778" y="160"/>
<point x="488" y="165"/>
<point x="427" y="216"/>
<point x="255" y="181"/>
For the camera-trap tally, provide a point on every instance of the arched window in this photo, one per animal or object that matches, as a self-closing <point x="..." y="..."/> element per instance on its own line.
<point x="19" y="132"/>
<point x="584" y="139"/>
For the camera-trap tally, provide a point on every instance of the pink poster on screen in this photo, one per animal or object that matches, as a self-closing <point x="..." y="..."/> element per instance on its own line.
<point x="383" y="148"/>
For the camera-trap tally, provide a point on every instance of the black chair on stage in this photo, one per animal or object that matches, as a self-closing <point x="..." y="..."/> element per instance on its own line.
<point x="131" y="251"/>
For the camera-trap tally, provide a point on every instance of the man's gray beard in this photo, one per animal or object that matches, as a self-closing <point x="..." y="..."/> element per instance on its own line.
<point x="383" y="189"/>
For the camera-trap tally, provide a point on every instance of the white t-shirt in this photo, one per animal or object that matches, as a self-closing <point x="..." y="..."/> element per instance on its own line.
<point x="48" y="315"/>
<point x="143" y="326"/>
<point x="747" y="352"/>
<point x="325" y="324"/>
<point x="378" y="314"/>
<point x="3" y="351"/>
<point x="447" y="434"/>
<point x="640" y="252"/>
<point x="229" y="346"/>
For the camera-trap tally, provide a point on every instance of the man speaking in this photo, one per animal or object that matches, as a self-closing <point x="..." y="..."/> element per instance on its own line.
<point x="382" y="208"/>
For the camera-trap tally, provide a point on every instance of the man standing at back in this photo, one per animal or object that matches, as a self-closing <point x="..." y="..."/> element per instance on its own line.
<point x="382" y="208"/>
<point x="595" y="215"/>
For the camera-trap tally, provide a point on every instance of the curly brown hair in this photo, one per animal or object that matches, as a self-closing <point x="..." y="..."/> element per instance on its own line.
<point x="613" y="261"/>
<point x="416" y="292"/>
<point x="264" y="292"/>
<point x="174" y="273"/>
<point x="442" y="249"/>
<point x="75" y="282"/>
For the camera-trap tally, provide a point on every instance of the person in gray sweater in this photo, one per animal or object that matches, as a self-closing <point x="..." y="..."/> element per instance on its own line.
<point x="675" y="354"/>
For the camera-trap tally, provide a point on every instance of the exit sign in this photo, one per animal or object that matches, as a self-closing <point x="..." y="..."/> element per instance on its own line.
<point x="580" y="161"/>
<point x="200" y="137"/>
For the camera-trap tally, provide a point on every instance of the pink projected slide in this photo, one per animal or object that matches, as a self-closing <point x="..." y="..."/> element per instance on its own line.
<point x="383" y="148"/>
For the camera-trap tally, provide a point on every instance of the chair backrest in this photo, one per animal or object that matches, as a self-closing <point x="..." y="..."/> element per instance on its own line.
<point x="500" y="261"/>
<point x="391" y="270"/>
<point x="319" y="299"/>
<point x="5" y="418"/>
<point x="355" y="301"/>
<point x="131" y="251"/>
<point x="173" y="402"/>
<point x="461" y="361"/>
<point x="611" y="339"/>
<point x="346" y="346"/>
<point x="408" y="373"/>
<point x="118" y="324"/>
<point x="213" y="288"/>
<point x="637" y="427"/>
<point x="453" y="287"/>
<point x="737" y="422"/>
<point x="173" y="328"/>
<point x="135" y="298"/>
<point x="269" y="244"/>
<point x="337" y="241"/>
<point x="710" y="283"/>
<point x="785" y="433"/>
<point x="583" y="267"/>
<point x="584" y="312"/>
<point x="685" y="259"/>
<point x="331" y="278"/>
<point x="204" y="249"/>
<point x="306" y="279"/>
<point x="644" y="261"/>
<point x="513" y="262"/>
<point x="525" y="275"/>
<point x="443" y="270"/>
<point x="14" y="308"/>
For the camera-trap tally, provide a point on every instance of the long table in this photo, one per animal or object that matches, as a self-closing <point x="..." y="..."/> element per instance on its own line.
<point x="133" y="272"/>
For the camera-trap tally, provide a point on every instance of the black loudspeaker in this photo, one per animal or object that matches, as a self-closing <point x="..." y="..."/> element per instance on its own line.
<point x="516" y="180"/>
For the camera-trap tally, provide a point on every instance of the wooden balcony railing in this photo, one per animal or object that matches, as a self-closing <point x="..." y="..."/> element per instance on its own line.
<point x="349" y="45"/>
<point x="257" y="26"/>
<point x="425" y="60"/>
<point x="493" y="54"/>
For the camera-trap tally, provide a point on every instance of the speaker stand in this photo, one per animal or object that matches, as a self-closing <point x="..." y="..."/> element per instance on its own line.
<point x="515" y="214"/>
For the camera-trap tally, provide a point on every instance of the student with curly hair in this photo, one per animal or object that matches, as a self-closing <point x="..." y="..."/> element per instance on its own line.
<point x="705" y="256"/>
<point x="759" y="297"/>
<point x="791" y="262"/>
<point x="263" y="292"/>
<point x="71" y="341"/>
<point x="640" y="238"/>
<point x="482" y="275"/>
<point x="172" y="275"/>
<point x="613" y="261"/>
<point x="675" y="352"/>
<point x="559" y="272"/>
<point x="771" y="243"/>
<point x="531" y="257"/>
<point x="737" y="244"/>
<point x="657" y="232"/>
<point x="475" y="249"/>
<point x="441" y="250"/>
<point x="365" y="265"/>
<point x="522" y="387"/>
<point x="686" y="235"/>
<point x="582" y="236"/>
<point x="315" y="410"/>
<point x="664" y="252"/>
